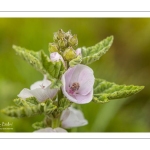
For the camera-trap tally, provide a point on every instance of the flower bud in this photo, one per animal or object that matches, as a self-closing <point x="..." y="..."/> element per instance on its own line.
<point x="53" y="47"/>
<point x="68" y="34"/>
<point x="58" y="35"/>
<point x="55" y="56"/>
<point x="73" y="40"/>
<point x="78" y="52"/>
<point x="69" y="54"/>
<point x="62" y="43"/>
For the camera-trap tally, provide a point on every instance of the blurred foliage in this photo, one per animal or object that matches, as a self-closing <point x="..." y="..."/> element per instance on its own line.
<point x="127" y="62"/>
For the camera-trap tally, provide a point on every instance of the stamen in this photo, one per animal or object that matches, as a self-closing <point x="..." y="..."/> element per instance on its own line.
<point x="74" y="88"/>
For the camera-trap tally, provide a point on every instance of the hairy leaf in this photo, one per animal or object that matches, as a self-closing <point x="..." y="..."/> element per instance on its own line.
<point x="55" y="69"/>
<point x="105" y="91"/>
<point x="49" y="107"/>
<point x="93" y="53"/>
<point x="33" y="58"/>
<point x="63" y="104"/>
<point x="27" y="102"/>
<point x="38" y="125"/>
<point x="75" y="61"/>
<point x="41" y="62"/>
<point x="25" y="110"/>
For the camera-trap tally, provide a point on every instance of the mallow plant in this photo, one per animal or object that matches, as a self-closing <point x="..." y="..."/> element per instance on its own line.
<point x="67" y="81"/>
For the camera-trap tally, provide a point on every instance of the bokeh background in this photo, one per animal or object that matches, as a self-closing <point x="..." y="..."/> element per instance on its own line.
<point x="127" y="62"/>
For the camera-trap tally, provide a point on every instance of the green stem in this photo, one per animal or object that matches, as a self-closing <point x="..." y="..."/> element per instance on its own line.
<point x="55" y="122"/>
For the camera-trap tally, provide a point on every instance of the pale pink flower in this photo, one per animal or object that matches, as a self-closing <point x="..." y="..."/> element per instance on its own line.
<point x="40" y="90"/>
<point x="78" y="84"/>
<point x="55" y="56"/>
<point x="78" y="52"/>
<point x="48" y="129"/>
<point x="72" y="117"/>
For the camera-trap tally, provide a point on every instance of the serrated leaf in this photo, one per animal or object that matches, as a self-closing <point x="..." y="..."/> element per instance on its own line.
<point x="19" y="101"/>
<point x="32" y="101"/>
<point x="75" y="61"/>
<point x="29" y="110"/>
<point x="93" y="53"/>
<point x="55" y="69"/>
<point x="33" y="58"/>
<point x="23" y="111"/>
<point x="41" y="62"/>
<point x="63" y="104"/>
<point x="105" y="91"/>
<point x="49" y="107"/>
<point x="28" y="101"/>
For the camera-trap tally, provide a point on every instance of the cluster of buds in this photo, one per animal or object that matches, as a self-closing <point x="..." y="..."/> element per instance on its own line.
<point x="64" y="44"/>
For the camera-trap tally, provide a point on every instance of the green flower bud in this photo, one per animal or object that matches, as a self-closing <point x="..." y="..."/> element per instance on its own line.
<point x="62" y="43"/>
<point x="69" y="54"/>
<point x="68" y="34"/>
<point x="59" y="35"/>
<point x="53" y="47"/>
<point x="73" y="40"/>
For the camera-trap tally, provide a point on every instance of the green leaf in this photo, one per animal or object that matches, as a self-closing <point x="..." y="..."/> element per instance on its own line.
<point x="38" y="125"/>
<point x="32" y="101"/>
<point x="41" y="62"/>
<point x="93" y="53"/>
<point x="25" y="110"/>
<point x="56" y="84"/>
<point x="55" y="69"/>
<point x="105" y="91"/>
<point x="33" y="58"/>
<point x="19" y="102"/>
<point x="49" y="107"/>
<point x="75" y="61"/>
<point x="27" y="102"/>
<point x="63" y="104"/>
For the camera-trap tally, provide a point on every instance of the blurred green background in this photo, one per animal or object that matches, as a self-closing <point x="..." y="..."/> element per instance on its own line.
<point x="127" y="62"/>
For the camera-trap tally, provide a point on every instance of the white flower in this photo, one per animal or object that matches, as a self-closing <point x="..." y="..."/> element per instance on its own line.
<point x="48" y="129"/>
<point x="40" y="90"/>
<point x="72" y="117"/>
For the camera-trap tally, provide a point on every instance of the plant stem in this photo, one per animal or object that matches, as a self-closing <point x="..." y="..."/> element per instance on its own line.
<point x="55" y="123"/>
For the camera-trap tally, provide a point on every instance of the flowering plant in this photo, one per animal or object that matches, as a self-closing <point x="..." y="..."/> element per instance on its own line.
<point x="67" y="81"/>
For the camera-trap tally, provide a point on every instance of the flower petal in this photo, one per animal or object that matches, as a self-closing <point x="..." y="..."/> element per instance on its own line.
<point x="36" y="85"/>
<point x="71" y="98"/>
<point x="86" y="80"/>
<point x="72" y="118"/>
<point x="67" y="77"/>
<point x="40" y="90"/>
<point x="82" y="99"/>
<point x="55" y="56"/>
<point x="83" y="75"/>
<point x="78" y="52"/>
<point x="51" y="130"/>
<point x="25" y="93"/>
<point x="43" y="94"/>
<point x="40" y="84"/>
<point x="75" y="76"/>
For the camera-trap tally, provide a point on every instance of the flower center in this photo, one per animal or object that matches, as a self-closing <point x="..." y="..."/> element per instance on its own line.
<point x="42" y="86"/>
<point x="74" y="88"/>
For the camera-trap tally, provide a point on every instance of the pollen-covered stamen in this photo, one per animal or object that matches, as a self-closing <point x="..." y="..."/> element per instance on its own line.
<point x="74" y="88"/>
